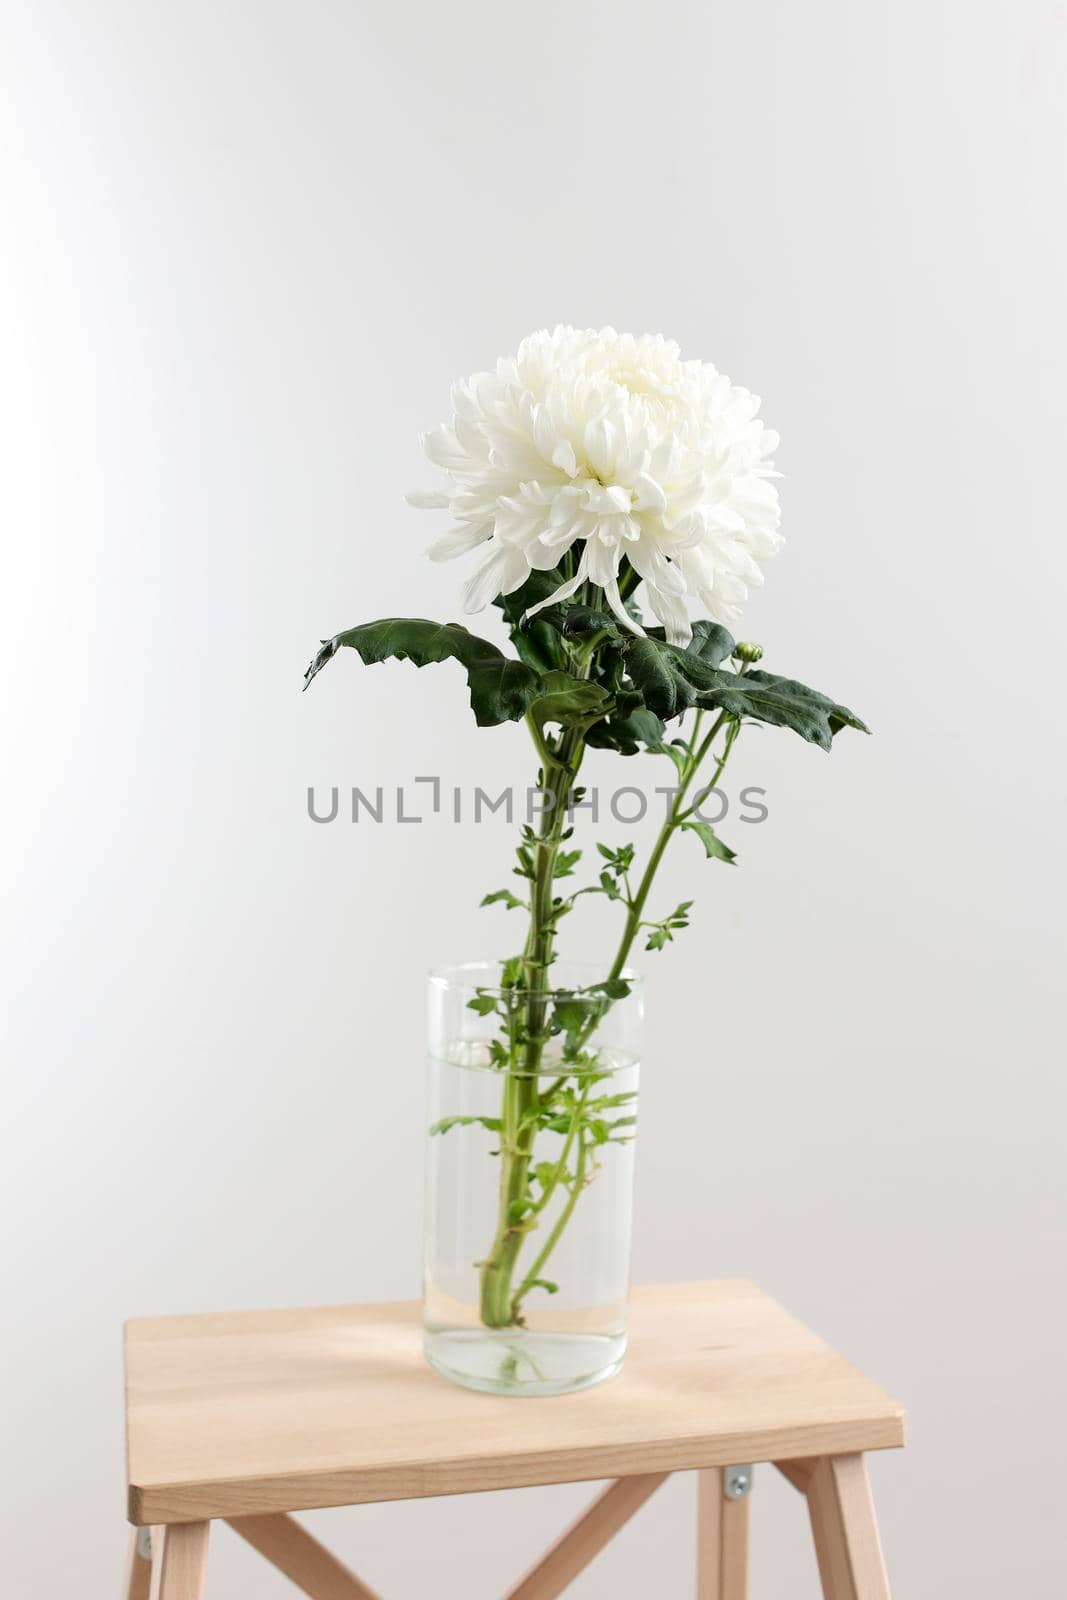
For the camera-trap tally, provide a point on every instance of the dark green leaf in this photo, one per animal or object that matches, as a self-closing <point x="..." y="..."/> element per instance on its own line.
<point x="630" y="731"/>
<point x="710" y="643"/>
<point x="501" y="689"/>
<point x="782" y="702"/>
<point x="572" y="702"/>
<point x="538" y="587"/>
<point x="668" y="678"/>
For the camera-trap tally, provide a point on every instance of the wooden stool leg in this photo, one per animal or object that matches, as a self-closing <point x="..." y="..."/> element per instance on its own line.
<point x="179" y="1561"/>
<point x="845" y="1531"/>
<point x="137" y="1579"/>
<point x="722" y="1540"/>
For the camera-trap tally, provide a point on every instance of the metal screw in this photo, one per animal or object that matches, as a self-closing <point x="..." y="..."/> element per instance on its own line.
<point x="144" y="1543"/>
<point x="736" y="1482"/>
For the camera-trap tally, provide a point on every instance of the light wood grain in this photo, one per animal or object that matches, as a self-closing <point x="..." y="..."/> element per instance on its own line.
<point x="798" y="1472"/>
<point x="585" y="1538"/>
<point x="722" y="1540"/>
<point x="254" y="1412"/>
<point x="298" y="1554"/>
<point x="137" y="1577"/>
<point x="845" y="1531"/>
<point x="179" y="1562"/>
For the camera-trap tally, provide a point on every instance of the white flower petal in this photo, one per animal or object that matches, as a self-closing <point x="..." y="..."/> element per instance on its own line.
<point x="444" y="450"/>
<point x="615" y="601"/>
<point x="671" y="611"/>
<point x="565" y="590"/>
<point x="429" y="499"/>
<point x="504" y="570"/>
<point x="457" y="541"/>
<point x="648" y="496"/>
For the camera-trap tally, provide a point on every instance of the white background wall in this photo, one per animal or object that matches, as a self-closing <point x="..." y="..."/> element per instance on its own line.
<point x="248" y="245"/>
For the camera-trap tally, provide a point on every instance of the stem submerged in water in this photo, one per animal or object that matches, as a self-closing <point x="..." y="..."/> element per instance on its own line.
<point x="500" y="1302"/>
<point x="499" y="1306"/>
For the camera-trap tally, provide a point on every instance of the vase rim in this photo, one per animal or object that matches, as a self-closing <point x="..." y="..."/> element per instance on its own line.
<point x="582" y="975"/>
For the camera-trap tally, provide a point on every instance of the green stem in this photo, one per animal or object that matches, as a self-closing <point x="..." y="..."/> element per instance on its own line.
<point x="674" y="818"/>
<point x="499" y="1306"/>
<point x="559" y="1225"/>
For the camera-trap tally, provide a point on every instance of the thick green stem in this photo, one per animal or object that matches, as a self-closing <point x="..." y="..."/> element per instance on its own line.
<point x="499" y="1307"/>
<point x="501" y="1304"/>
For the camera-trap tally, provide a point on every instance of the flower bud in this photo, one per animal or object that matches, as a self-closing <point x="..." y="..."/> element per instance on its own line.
<point x="746" y="651"/>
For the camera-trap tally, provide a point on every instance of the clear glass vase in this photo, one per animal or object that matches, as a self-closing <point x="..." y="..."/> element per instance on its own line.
<point x="529" y="1178"/>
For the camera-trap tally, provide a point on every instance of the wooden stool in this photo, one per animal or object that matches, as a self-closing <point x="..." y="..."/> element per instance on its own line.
<point x="247" y="1417"/>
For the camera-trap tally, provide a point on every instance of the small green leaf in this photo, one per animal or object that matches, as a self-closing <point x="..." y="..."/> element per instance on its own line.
<point x="511" y="972"/>
<point x="679" y="754"/>
<point x="657" y="939"/>
<point x="615" y="988"/>
<point x="506" y="897"/>
<point x="484" y="1004"/>
<point x="492" y="1124"/>
<point x="573" y="1013"/>
<point x="713" y="845"/>
<point x="566" y="862"/>
<point x="609" y="886"/>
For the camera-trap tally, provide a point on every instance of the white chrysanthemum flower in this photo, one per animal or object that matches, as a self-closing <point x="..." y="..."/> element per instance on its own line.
<point x="608" y="446"/>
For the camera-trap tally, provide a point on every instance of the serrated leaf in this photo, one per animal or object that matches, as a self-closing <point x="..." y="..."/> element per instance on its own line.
<point x="711" y="642"/>
<point x="671" y="680"/>
<point x="713" y="845"/>
<point x="573" y="1013"/>
<point x="505" y="896"/>
<point x="501" y="689"/>
<point x="783" y="702"/>
<point x="630" y="728"/>
<point x="566" y="861"/>
<point x="571" y="702"/>
<point x="483" y="1004"/>
<point x="511" y="972"/>
<point x="491" y="1124"/>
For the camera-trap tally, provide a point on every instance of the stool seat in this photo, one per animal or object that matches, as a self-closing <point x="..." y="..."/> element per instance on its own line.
<point x="250" y="1413"/>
